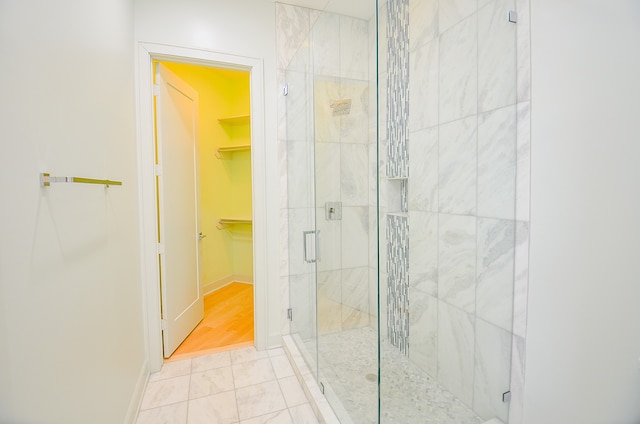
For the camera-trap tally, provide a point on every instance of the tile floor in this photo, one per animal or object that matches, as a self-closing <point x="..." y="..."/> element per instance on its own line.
<point x="241" y="386"/>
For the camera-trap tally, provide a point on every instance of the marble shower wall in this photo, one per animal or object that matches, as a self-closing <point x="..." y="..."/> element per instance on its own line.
<point x="468" y="191"/>
<point x="324" y="59"/>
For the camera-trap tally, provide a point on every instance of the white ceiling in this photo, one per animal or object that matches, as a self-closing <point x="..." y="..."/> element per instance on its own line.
<point x="363" y="9"/>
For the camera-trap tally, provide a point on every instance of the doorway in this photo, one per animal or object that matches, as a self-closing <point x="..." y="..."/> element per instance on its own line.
<point x="148" y="53"/>
<point x="216" y="104"/>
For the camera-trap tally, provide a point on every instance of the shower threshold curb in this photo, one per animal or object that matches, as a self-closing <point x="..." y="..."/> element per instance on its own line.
<point x="318" y="402"/>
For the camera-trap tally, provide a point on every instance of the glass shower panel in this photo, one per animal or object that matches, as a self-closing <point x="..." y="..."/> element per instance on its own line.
<point x="448" y="177"/>
<point x="301" y="204"/>
<point x="344" y="96"/>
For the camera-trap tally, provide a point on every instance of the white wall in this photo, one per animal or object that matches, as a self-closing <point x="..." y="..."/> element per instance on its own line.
<point x="71" y="334"/>
<point x="244" y="28"/>
<point x="583" y="339"/>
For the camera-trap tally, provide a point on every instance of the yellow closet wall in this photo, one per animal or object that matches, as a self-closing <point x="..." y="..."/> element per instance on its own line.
<point x="225" y="184"/>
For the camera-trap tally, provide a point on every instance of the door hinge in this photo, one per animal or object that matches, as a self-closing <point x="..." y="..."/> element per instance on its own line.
<point x="322" y="387"/>
<point x="160" y="249"/>
<point x="164" y="324"/>
<point x="290" y="314"/>
<point x="512" y="16"/>
<point x="156" y="89"/>
<point x="158" y="170"/>
<point x="506" y="397"/>
<point x="285" y="89"/>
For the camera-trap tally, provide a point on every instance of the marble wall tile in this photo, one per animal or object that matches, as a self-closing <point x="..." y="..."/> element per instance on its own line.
<point x="374" y="284"/>
<point x="355" y="297"/>
<point x="330" y="239"/>
<point x="300" y="190"/>
<point x="497" y="163"/>
<point x="283" y="182"/>
<point x="298" y="122"/>
<point x="354" y="174"/>
<point x="214" y="408"/>
<point x="303" y="305"/>
<point x="327" y="127"/>
<point x="300" y="220"/>
<point x="355" y="239"/>
<point x="423" y="331"/>
<point x="452" y="12"/>
<point x="284" y="242"/>
<point x="325" y="36"/>
<point x="329" y="301"/>
<point x="521" y="283"/>
<point x="458" y="71"/>
<point x="518" y="346"/>
<point x="354" y="51"/>
<point x="328" y="175"/>
<point x="355" y="288"/>
<point x="523" y="32"/>
<point x="423" y="86"/>
<point x="492" y="369"/>
<point x="423" y="22"/>
<point x="372" y="163"/>
<point x="457" y="261"/>
<point x="457" y="167"/>
<point x="523" y="154"/>
<point x="382" y="111"/>
<point x="456" y="345"/>
<point x="423" y="252"/>
<point x="496" y="56"/>
<point x="494" y="293"/>
<point x="292" y="27"/>
<point x="423" y="170"/>
<point x="285" y="327"/>
<point x="354" y="127"/>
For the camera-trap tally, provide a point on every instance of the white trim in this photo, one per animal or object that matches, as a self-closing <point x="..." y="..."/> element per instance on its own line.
<point x="225" y="281"/>
<point x="138" y="393"/>
<point x="148" y="218"/>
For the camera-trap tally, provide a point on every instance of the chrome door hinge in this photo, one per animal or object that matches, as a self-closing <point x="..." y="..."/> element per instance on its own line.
<point x="506" y="397"/>
<point x="322" y="387"/>
<point x="290" y="314"/>
<point x="512" y="15"/>
<point x="285" y="89"/>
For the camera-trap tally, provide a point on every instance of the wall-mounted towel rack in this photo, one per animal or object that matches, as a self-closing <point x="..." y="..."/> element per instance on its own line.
<point x="46" y="180"/>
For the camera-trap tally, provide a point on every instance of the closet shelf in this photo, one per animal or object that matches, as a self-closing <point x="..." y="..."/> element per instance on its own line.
<point x="226" y="222"/>
<point x="235" y="120"/>
<point x="231" y="149"/>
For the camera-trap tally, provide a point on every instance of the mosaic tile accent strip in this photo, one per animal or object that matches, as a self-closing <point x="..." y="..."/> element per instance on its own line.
<point x="404" y="196"/>
<point x="398" y="88"/>
<point x="398" y="282"/>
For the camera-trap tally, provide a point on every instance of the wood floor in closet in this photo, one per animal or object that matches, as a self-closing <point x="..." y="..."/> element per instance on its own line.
<point x="227" y="323"/>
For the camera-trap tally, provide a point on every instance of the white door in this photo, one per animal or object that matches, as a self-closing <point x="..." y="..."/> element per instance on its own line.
<point x="177" y="129"/>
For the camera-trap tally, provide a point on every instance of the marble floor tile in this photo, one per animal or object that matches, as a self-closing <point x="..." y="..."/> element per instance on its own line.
<point x="247" y="354"/>
<point x="303" y="414"/>
<point x="208" y="362"/>
<point x="172" y="369"/>
<point x="218" y="409"/>
<point x="260" y="399"/>
<point x="170" y="414"/>
<point x="281" y="366"/>
<point x="211" y="382"/>
<point x="280" y="417"/>
<point x="292" y="391"/>
<point x="165" y="392"/>
<point x="253" y="372"/>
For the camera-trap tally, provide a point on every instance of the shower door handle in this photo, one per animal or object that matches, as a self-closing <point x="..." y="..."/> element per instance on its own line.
<point x="311" y="250"/>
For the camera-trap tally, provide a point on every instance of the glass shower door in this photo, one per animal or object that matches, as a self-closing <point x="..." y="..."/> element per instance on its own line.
<point x="345" y="146"/>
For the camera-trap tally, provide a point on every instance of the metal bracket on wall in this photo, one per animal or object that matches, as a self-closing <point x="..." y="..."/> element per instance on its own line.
<point x="512" y="15"/>
<point x="506" y="397"/>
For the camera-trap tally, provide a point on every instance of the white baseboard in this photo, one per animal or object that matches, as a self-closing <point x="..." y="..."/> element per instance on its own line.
<point x="138" y="393"/>
<point x="225" y="281"/>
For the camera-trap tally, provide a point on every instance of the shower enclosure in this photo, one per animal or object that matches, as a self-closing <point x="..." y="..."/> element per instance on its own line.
<point x="405" y="215"/>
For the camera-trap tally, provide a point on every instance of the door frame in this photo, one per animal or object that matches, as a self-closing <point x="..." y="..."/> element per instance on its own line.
<point x="147" y="53"/>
